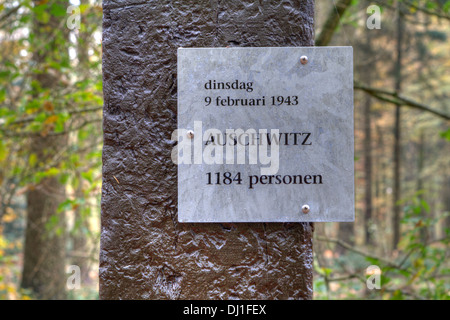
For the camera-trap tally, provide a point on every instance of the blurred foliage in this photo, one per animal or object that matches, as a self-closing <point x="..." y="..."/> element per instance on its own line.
<point x="72" y="58"/>
<point x="419" y="268"/>
<point x="420" y="272"/>
<point x="73" y="107"/>
<point x="9" y="267"/>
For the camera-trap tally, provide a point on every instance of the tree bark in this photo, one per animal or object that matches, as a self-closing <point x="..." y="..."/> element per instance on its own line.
<point x="145" y="252"/>
<point x="368" y="208"/>
<point x="332" y="22"/>
<point x="79" y="236"/>
<point x="424" y="234"/>
<point x="397" y="135"/>
<point x="368" y="216"/>
<point x="346" y="233"/>
<point x="446" y="201"/>
<point x="44" y="252"/>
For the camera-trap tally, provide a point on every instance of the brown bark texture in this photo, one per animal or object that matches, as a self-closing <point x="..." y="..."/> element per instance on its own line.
<point x="145" y="253"/>
<point x="397" y="135"/>
<point x="44" y="252"/>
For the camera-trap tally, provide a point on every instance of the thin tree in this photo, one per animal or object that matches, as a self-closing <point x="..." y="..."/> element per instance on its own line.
<point x="397" y="133"/>
<point x="367" y="144"/>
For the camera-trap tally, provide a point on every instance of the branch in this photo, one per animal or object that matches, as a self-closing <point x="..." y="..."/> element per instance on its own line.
<point x="31" y="134"/>
<point x="362" y="253"/>
<point x="9" y="12"/>
<point x="394" y="98"/>
<point x="429" y="12"/>
<point x="344" y="278"/>
<point x="332" y="22"/>
<point x="71" y="112"/>
<point x="411" y="5"/>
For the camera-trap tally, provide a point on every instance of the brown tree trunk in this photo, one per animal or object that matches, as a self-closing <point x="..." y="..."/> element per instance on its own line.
<point x="397" y="135"/>
<point x="332" y="22"/>
<point x="145" y="252"/>
<point x="446" y="200"/>
<point x="80" y="239"/>
<point x="367" y="76"/>
<point x="368" y="172"/>
<point x="424" y="234"/>
<point x="44" y="253"/>
<point x="346" y="233"/>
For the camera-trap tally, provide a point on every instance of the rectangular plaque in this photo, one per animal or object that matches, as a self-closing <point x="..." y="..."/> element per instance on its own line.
<point x="265" y="134"/>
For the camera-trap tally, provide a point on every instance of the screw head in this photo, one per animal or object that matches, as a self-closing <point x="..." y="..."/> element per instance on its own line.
<point x="304" y="59"/>
<point x="190" y="134"/>
<point x="305" y="208"/>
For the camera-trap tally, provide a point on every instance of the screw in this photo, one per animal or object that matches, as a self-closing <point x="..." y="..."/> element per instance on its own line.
<point x="305" y="208"/>
<point x="304" y="59"/>
<point x="190" y="134"/>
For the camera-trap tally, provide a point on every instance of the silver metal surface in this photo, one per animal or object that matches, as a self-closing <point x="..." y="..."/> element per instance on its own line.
<point x="317" y="169"/>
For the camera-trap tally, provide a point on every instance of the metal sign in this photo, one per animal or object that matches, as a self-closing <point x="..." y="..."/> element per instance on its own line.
<point x="265" y="134"/>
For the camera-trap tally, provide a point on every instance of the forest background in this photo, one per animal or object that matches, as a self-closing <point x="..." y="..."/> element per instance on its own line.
<point x="51" y="141"/>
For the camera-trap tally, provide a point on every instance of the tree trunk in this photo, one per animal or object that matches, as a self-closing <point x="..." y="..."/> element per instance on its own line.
<point x="346" y="233"/>
<point x="145" y="252"/>
<point x="368" y="172"/>
<point x="79" y="238"/>
<point x="397" y="135"/>
<point x="446" y="200"/>
<point x="367" y="76"/>
<point x="332" y="22"/>
<point x="44" y="252"/>
<point x="424" y="234"/>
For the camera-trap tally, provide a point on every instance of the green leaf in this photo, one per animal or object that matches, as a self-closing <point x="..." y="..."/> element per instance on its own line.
<point x="327" y="271"/>
<point x="5" y="74"/>
<point x="2" y="95"/>
<point x="57" y="10"/>
<point x="404" y="273"/>
<point x="373" y="260"/>
<point x="445" y="134"/>
<point x="52" y="172"/>
<point x="446" y="7"/>
<point x="32" y="160"/>
<point x="88" y="176"/>
<point x="397" y="295"/>
<point x="431" y="5"/>
<point x="64" y="178"/>
<point x="43" y="17"/>
<point x="61" y="121"/>
<point x="425" y="205"/>
<point x="40" y="117"/>
<point x="66" y="205"/>
<point x="384" y="280"/>
<point x="59" y="127"/>
<point x="4" y="112"/>
<point x="3" y="151"/>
